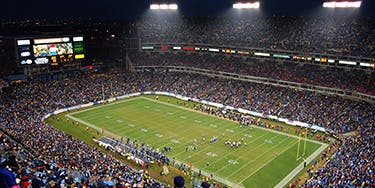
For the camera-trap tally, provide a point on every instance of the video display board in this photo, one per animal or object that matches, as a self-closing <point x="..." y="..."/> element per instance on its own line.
<point x="51" y="51"/>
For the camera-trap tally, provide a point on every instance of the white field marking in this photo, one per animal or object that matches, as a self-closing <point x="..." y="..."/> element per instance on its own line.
<point x="108" y="133"/>
<point x="159" y="135"/>
<point x="175" y="141"/>
<point x="119" y="121"/>
<point x="268" y="141"/>
<point x="183" y="117"/>
<point x="157" y="109"/>
<point x="131" y="125"/>
<point x="170" y="113"/>
<point x="104" y="105"/>
<point x="300" y="167"/>
<point x="229" y="130"/>
<point x="211" y="154"/>
<point x="146" y="107"/>
<point x="230" y="153"/>
<point x="197" y="121"/>
<point x="206" y="148"/>
<point x="233" y="162"/>
<point x="252" y="149"/>
<point x="265" y="164"/>
<point x="213" y="125"/>
<point x="108" y="117"/>
<point x="144" y="130"/>
<point x="254" y="126"/>
<point x="260" y="156"/>
<point x="248" y="135"/>
<point x="216" y="177"/>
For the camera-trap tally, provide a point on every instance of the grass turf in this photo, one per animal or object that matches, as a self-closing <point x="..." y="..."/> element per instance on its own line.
<point x="266" y="158"/>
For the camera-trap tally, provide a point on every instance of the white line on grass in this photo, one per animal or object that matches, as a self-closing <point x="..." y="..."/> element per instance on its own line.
<point x="265" y="164"/>
<point x="253" y="149"/>
<point x="229" y="153"/>
<point x="216" y="178"/>
<point x="91" y="125"/>
<point x="180" y="107"/>
<point x="243" y="166"/>
<point x="300" y="167"/>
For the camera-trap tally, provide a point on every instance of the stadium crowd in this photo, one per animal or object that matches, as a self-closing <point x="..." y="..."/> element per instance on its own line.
<point x="333" y="77"/>
<point x="67" y="161"/>
<point x="342" y="36"/>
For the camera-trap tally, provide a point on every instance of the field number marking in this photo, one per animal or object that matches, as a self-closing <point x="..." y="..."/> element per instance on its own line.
<point x="211" y="154"/>
<point x="233" y="162"/>
<point x="159" y="135"/>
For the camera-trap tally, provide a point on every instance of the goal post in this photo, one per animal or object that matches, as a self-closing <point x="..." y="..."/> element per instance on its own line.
<point x="302" y="137"/>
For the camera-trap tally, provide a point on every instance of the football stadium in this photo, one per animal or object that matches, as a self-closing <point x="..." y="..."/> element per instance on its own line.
<point x="195" y="94"/>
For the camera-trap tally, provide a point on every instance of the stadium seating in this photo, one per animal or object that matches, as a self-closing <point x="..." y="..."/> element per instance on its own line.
<point x="333" y="77"/>
<point x="342" y="36"/>
<point x="25" y="104"/>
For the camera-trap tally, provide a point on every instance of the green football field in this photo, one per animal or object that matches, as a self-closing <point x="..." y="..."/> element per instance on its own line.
<point x="263" y="161"/>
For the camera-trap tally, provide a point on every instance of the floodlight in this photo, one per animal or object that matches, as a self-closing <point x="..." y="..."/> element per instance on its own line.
<point x="254" y="5"/>
<point x="342" y="4"/>
<point x="173" y="6"/>
<point x="154" y="6"/>
<point x="163" y="6"/>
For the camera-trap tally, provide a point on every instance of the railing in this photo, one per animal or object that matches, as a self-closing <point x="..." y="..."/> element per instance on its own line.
<point x="267" y="81"/>
<point x="295" y="56"/>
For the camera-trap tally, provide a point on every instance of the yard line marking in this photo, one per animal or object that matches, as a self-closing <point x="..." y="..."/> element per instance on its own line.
<point x="243" y="166"/>
<point x="216" y="177"/>
<point x="207" y="147"/>
<point x="236" y="150"/>
<point x="265" y="164"/>
<point x="252" y="149"/>
<point x="91" y="125"/>
<point x="300" y="167"/>
<point x="254" y="126"/>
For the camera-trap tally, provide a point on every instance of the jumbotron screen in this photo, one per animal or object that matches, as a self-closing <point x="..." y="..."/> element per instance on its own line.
<point x="50" y="51"/>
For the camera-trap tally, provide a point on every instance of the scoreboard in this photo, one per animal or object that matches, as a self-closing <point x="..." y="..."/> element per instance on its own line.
<point x="49" y="50"/>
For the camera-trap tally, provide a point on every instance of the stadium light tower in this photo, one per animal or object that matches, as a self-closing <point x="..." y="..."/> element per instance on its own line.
<point x="342" y="4"/>
<point x="246" y="5"/>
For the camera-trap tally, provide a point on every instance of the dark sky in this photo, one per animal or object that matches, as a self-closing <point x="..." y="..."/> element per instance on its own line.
<point x="129" y="9"/>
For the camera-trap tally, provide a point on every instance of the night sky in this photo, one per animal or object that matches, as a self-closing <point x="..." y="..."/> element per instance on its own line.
<point x="131" y="9"/>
